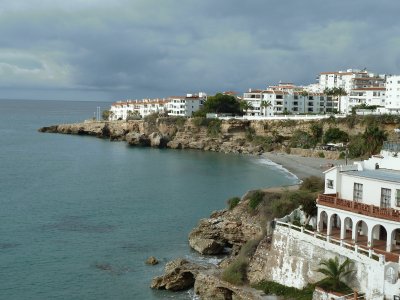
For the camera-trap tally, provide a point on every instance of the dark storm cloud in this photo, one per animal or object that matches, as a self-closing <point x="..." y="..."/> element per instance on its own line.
<point x="134" y="49"/>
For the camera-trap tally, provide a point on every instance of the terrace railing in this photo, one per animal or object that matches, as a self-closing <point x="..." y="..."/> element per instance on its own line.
<point x="332" y="200"/>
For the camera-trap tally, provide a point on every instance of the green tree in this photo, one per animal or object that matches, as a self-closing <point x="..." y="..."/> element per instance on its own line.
<point x="335" y="135"/>
<point x="221" y="103"/>
<point x="107" y="115"/>
<point x="317" y="132"/>
<point x="335" y="273"/>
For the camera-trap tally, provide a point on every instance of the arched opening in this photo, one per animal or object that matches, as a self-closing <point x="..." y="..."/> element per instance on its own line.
<point x="361" y="233"/>
<point x="335" y="226"/>
<point x="323" y="222"/>
<point x="395" y="241"/>
<point x="348" y="229"/>
<point x="379" y="237"/>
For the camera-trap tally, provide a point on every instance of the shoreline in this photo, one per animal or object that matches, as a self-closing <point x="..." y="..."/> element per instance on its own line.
<point x="301" y="166"/>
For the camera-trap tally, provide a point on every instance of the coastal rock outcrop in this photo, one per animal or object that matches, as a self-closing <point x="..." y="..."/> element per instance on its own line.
<point x="227" y="136"/>
<point x="179" y="275"/>
<point x="226" y="228"/>
<point x="208" y="285"/>
<point x="137" y="139"/>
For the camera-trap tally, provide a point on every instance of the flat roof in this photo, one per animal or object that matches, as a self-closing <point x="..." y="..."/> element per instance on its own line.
<point x="379" y="174"/>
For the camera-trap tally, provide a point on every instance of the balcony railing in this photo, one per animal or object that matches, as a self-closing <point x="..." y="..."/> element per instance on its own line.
<point x="370" y="210"/>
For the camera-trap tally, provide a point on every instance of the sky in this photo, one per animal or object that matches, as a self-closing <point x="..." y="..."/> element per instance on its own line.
<point x="131" y="49"/>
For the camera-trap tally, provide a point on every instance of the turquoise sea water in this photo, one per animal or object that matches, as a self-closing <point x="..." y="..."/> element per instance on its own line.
<point x="79" y="215"/>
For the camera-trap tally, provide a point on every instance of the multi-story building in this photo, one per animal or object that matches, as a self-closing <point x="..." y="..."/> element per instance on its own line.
<point x="122" y="109"/>
<point x="350" y="79"/>
<point x="360" y="210"/>
<point x="283" y="98"/>
<point x="185" y="106"/>
<point x="354" y="83"/>
<point x="361" y="203"/>
<point x="367" y="96"/>
<point x="174" y="106"/>
<point x="393" y="94"/>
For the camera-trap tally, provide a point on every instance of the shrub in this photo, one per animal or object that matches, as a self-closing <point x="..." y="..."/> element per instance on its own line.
<point x="214" y="127"/>
<point x="256" y="199"/>
<point x="249" y="248"/>
<point x="274" y="288"/>
<point x="321" y="154"/>
<point x="312" y="184"/>
<point x="233" y="202"/>
<point x="335" y="135"/>
<point x="301" y="139"/>
<point x="342" y="155"/>
<point x="199" y="121"/>
<point x="235" y="273"/>
<point x="282" y="207"/>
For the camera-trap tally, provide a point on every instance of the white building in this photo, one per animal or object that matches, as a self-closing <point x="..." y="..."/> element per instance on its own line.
<point x="174" y="106"/>
<point x="360" y="207"/>
<point x="367" y="96"/>
<point x="284" y="98"/>
<point x="350" y="79"/>
<point x="360" y="86"/>
<point x="185" y="106"/>
<point x="122" y="109"/>
<point x="393" y="93"/>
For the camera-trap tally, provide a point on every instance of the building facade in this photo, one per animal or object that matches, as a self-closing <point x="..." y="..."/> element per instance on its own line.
<point x="284" y="98"/>
<point x="183" y="106"/>
<point x="393" y="94"/>
<point x="360" y="208"/>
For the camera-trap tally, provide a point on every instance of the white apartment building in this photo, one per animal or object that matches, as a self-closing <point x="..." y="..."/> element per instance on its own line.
<point x="122" y="109"/>
<point x="283" y="98"/>
<point x="185" y="106"/>
<point x="393" y="94"/>
<point x="350" y="79"/>
<point x="175" y="106"/>
<point x="368" y="96"/>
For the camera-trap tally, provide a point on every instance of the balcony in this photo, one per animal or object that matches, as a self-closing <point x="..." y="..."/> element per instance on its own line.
<point x="370" y="210"/>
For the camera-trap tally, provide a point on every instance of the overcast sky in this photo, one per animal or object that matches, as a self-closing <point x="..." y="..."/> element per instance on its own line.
<point x="118" y="49"/>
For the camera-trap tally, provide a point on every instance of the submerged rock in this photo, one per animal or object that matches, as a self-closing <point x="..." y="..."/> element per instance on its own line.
<point x="152" y="261"/>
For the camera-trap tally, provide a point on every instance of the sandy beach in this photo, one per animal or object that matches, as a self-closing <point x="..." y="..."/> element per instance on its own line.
<point x="301" y="166"/>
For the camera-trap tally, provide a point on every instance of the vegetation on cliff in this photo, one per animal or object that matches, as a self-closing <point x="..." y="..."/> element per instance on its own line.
<point x="361" y="136"/>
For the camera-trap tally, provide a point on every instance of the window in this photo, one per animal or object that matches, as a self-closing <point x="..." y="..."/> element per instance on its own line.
<point x="385" y="197"/>
<point x="397" y="197"/>
<point x="329" y="183"/>
<point x="357" y="192"/>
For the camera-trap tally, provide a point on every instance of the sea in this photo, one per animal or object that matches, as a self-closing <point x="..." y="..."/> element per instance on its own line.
<point x="80" y="215"/>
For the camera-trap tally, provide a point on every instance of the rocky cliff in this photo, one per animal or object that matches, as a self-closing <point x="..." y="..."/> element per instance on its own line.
<point x="229" y="136"/>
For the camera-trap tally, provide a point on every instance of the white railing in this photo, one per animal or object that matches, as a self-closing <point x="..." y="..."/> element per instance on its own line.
<point x="340" y="243"/>
<point x="284" y="117"/>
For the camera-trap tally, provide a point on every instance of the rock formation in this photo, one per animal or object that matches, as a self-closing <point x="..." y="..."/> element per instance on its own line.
<point x="228" y="136"/>
<point x="179" y="275"/>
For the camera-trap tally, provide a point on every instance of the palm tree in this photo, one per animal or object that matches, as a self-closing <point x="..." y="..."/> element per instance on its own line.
<point x="374" y="138"/>
<point x="335" y="93"/>
<point x="245" y="105"/>
<point x="335" y="273"/>
<point x="265" y="104"/>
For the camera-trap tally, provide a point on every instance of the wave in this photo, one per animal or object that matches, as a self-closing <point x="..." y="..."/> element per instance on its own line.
<point x="286" y="172"/>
